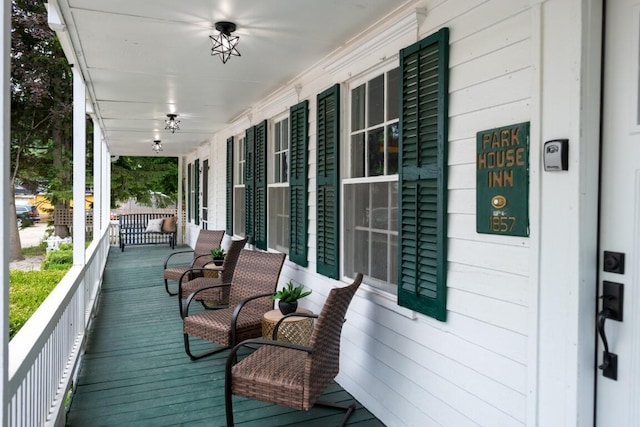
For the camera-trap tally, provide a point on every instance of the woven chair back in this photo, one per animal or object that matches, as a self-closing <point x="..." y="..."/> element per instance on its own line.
<point x="231" y="259"/>
<point x="207" y="240"/>
<point x="255" y="273"/>
<point x="323" y="363"/>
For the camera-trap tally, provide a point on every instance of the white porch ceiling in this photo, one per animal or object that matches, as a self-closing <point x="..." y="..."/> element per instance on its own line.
<point x="145" y="59"/>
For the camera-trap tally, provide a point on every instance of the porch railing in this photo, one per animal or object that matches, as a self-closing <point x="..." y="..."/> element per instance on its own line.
<point x="45" y="353"/>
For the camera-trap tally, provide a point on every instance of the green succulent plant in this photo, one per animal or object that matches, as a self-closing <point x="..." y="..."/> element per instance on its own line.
<point x="217" y="253"/>
<point x="290" y="293"/>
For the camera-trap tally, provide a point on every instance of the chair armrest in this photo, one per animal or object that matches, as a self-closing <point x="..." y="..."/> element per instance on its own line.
<point x="277" y="325"/>
<point x="238" y="308"/>
<point x="193" y="295"/>
<point x="166" y="261"/>
<point x="200" y="256"/>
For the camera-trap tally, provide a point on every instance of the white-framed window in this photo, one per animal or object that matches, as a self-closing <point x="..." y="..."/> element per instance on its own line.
<point x="370" y="189"/>
<point x="238" y="186"/>
<point x="278" y="186"/>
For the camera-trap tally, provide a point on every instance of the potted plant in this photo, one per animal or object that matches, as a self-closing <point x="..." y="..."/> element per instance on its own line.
<point x="218" y="255"/>
<point x="288" y="297"/>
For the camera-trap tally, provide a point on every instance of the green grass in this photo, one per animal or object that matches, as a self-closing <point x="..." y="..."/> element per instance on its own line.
<point x="27" y="290"/>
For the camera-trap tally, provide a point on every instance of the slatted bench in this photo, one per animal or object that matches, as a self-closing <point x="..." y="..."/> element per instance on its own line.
<point x="135" y="229"/>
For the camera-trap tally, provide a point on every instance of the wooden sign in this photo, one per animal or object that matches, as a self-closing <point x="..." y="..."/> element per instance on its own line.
<point x="502" y="180"/>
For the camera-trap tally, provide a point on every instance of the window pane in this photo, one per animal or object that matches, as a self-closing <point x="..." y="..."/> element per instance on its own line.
<point x="285" y="167"/>
<point x="393" y="93"/>
<point x="357" y="155"/>
<point x="393" y="136"/>
<point x="238" y="211"/>
<point x="393" y="259"/>
<point x="375" y="102"/>
<point x="361" y="252"/>
<point x="376" y="152"/>
<point x="379" y="264"/>
<point x="278" y="225"/>
<point x="380" y="206"/>
<point x="285" y="134"/>
<point x="277" y="137"/>
<point x="357" y="108"/>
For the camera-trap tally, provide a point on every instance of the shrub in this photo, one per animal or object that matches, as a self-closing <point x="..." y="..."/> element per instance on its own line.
<point x="27" y="290"/>
<point x="58" y="260"/>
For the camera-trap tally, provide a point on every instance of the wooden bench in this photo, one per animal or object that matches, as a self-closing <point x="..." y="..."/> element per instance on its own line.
<point x="133" y="229"/>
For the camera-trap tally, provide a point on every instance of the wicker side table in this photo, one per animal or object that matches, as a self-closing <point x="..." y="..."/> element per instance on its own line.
<point x="294" y="329"/>
<point x="212" y="270"/>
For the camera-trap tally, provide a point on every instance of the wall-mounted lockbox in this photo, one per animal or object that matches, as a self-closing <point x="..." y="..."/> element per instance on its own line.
<point x="556" y="155"/>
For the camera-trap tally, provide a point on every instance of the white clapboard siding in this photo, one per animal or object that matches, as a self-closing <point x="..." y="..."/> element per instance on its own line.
<point x="407" y="368"/>
<point x="482" y="399"/>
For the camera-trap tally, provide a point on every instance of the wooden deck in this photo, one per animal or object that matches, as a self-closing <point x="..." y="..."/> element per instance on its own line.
<point x="135" y="371"/>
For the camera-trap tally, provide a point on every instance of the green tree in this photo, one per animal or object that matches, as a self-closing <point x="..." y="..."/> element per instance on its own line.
<point x="41" y="106"/>
<point x="148" y="180"/>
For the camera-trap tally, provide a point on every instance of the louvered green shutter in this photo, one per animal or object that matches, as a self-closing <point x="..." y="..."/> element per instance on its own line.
<point x="249" y="193"/>
<point x="261" y="185"/>
<point x="229" y="211"/>
<point x="189" y="191"/>
<point x="299" y="119"/>
<point x="327" y="184"/>
<point x="423" y="177"/>
<point x="196" y="195"/>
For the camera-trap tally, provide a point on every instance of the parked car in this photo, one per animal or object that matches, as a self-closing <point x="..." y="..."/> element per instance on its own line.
<point x="28" y="211"/>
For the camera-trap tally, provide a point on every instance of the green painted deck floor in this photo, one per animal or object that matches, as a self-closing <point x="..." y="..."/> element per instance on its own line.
<point x="135" y="371"/>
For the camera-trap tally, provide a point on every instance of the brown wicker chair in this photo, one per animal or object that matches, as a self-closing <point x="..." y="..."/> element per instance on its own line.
<point x="289" y="374"/>
<point x="213" y="296"/>
<point x="254" y="281"/>
<point x="207" y="240"/>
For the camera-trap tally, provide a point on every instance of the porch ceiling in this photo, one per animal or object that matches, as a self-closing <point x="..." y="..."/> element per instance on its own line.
<point x="144" y="59"/>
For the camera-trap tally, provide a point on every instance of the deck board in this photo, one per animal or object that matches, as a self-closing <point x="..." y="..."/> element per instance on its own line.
<point x="135" y="371"/>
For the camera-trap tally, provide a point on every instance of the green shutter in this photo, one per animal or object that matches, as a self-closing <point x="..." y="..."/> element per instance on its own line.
<point x="196" y="192"/>
<point x="261" y="185"/>
<point x="424" y="68"/>
<point x="298" y="161"/>
<point x="249" y="192"/>
<point x="189" y="192"/>
<point x="229" y="212"/>
<point x="327" y="185"/>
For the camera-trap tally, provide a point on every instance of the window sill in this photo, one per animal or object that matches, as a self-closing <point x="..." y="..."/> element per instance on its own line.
<point x="386" y="300"/>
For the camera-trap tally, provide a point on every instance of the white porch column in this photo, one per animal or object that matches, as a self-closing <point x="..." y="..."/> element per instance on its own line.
<point x="106" y="185"/>
<point x="5" y="14"/>
<point x="98" y="180"/>
<point x="79" y="166"/>
<point x="180" y="223"/>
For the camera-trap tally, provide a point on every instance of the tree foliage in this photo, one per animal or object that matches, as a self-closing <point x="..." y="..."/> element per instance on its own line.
<point x="148" y="180"/>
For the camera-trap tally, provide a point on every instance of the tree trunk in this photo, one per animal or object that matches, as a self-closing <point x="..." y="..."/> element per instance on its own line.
<point x="60" y="229"/>
<point x="15" y="247"/>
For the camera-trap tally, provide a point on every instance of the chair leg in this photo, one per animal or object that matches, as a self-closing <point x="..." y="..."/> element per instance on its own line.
<point x="187" y="349"/>
<point x="166" y="288"/>
<point x="348" y="408"/>
<point x="228" y="400"/>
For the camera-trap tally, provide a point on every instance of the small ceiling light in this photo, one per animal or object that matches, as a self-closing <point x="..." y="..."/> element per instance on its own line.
<point x="224" y="44"/>
<point x="157" y="146"/>
<point x="172" y="124"/>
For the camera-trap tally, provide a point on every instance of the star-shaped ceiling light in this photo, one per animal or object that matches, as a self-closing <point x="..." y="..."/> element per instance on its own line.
<point x="224" y="44"/>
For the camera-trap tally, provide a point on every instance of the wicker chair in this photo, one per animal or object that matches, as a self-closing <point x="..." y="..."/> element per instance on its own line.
<point x="254" y="281"/>
<point x="207" y="240"/>
<point x="213" y="296"/>
<point x="289" y="374"/>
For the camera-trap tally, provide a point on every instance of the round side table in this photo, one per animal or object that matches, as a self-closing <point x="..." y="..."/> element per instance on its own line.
<point x="294" y="329"/>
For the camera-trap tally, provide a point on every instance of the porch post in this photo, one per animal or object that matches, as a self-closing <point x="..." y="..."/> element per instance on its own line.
<point x="180" y="222"/>
<point x="106" y="188"/>
<point x="5" y="14"/>
<point x="98" y="179"/>
<point x="79" y="166"/>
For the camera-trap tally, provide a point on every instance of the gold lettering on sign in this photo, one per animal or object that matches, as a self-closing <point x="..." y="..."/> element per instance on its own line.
<point x="503" y="151"/>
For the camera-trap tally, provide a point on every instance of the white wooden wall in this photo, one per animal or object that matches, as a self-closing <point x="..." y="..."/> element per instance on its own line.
<point x="476" y="368"/>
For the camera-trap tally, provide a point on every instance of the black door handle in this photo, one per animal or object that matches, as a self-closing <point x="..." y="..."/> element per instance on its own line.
<point x="609" y="360"/>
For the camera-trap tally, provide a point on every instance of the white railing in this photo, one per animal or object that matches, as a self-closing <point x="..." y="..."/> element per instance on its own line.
<point x="44" y="354"/>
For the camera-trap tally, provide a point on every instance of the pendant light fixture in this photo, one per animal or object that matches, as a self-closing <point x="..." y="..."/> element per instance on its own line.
<point x="172" y="124"/>
<point x="224" y="44"/>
